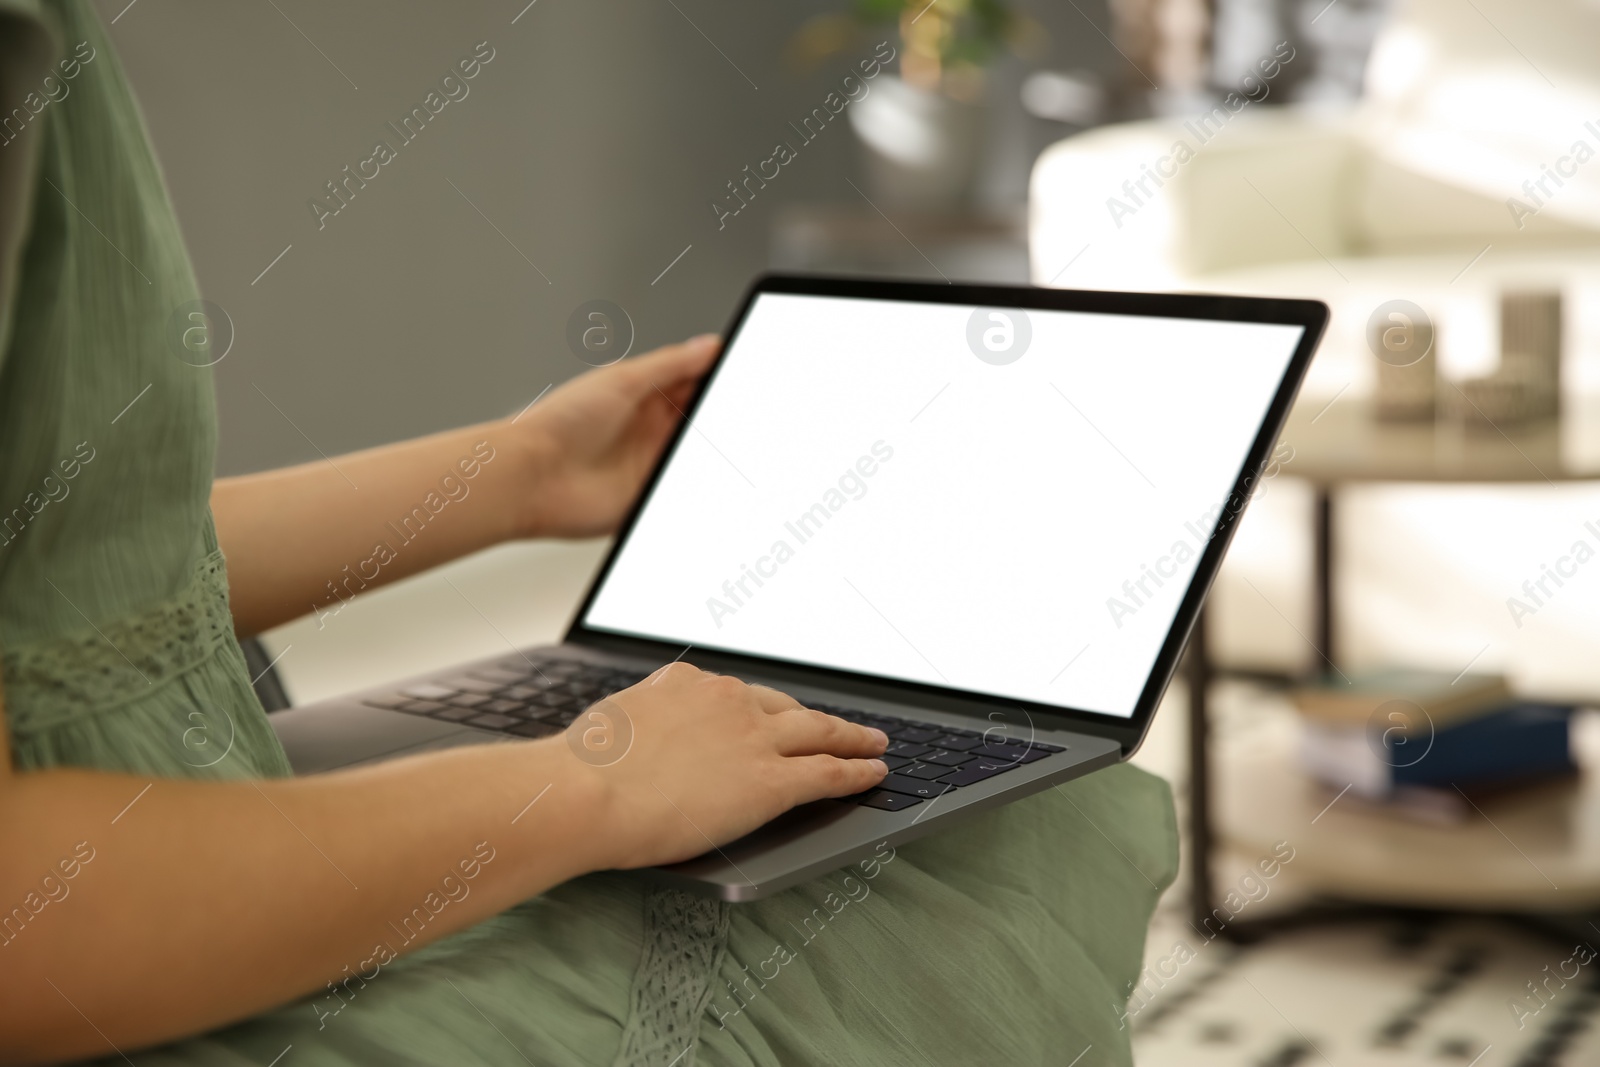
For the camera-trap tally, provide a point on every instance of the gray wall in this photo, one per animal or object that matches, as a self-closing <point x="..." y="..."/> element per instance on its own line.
<point x="594" y="140"/>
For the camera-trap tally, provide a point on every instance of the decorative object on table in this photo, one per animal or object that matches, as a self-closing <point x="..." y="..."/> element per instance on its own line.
<point x="1530" y="347"/>
<point x="1493" y="401"/>
<point x="1401" y="336"/>
<point x="1527" y="384"/>
<point x="1407" y="394"/>
<point x="922" y="130"/>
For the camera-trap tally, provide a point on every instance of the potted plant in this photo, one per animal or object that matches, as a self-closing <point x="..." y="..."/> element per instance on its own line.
<point x="922" y="130"/>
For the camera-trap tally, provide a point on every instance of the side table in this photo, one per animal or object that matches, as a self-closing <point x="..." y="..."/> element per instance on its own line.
<point x="1340" y="444"/>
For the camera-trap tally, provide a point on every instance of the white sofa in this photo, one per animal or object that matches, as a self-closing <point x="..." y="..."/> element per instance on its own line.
<point x="1404" y="195"/>
<point x="1464" y="103"/>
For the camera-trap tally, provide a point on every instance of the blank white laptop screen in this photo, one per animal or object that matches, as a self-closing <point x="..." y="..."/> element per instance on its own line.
<point x="869" y="485"/>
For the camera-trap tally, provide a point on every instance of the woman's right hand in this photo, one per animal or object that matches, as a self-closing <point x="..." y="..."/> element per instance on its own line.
<point x="708" y="759"/>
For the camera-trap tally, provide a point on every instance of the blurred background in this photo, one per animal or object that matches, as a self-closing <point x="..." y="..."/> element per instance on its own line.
<point x="1425" y="541"/>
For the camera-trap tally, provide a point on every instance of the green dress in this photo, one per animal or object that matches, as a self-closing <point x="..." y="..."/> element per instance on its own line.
<point x="1012" y="938"/>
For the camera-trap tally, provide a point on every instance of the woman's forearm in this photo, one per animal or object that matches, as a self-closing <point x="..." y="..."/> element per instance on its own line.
<point x="569" y="466"/>
<point x="300" y="538"/>
<point x="138" y="910"/>
<point x="269" y="890"/>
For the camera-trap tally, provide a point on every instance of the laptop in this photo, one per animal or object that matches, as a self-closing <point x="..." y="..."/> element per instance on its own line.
<point x="980" y="518"/>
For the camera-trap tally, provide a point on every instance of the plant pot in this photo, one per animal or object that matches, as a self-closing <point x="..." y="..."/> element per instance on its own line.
<point x="921" y="148"/>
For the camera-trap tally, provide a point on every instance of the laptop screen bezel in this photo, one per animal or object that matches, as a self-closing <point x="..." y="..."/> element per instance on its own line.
<point x="1311" y="315"/>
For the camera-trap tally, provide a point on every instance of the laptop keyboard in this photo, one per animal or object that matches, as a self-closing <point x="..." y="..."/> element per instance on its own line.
<point x="927" y="760"/>
<point x="514" y="697"/>
<point x="524" y="699"/>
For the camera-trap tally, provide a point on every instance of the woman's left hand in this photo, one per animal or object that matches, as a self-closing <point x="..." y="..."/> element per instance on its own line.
<point x="594" y="440"/>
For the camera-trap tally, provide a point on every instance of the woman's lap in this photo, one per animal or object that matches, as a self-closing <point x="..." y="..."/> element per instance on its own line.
<point x="1012" y="937"/>
<point x="1009" y="938"/>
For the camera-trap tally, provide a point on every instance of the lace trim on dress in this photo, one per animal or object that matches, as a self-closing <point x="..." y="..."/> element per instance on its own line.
<point x="685" y="939"/>
<point x="59" y="679"/>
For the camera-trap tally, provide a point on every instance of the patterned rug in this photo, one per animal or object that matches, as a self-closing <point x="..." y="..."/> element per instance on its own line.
<point x="1453" y="991"/>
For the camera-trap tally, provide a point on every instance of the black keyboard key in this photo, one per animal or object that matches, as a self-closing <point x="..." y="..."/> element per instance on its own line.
<point x="533" y="729"/>
<point x="501" y="677"/>
<point x="492" y="722"/>
<point x="914" y="787"/>
<point x="955" y="742"/>
<point x="1031" y="743"/>
<point x="452" y="714"/>
<point x="429" y="692"/>
<point x="917" y="735"/>
<point x="559" y="669"/>
<point x="470" y="700"/>
<point x="422" y="707"/>
<point x="978" y="770"/>
<point x="389" y="703"/>
<point x="468" y="683"/>
<point x="500" y="707"/>
<point x="623" y="679"/>
<point x="907" y="749"/>
<point x="1011" y="753"/>
<point x="887" y="801"/>
<point x="927" y="771"/>
<point x="947" y="759"/>
<point x="894" y="763"/>
<point x="998" y="738"/>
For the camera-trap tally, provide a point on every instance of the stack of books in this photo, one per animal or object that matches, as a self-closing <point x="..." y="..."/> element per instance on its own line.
<point x="1420" y="742"/>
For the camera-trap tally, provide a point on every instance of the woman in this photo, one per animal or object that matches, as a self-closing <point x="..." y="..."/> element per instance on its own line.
<point x="424" y="910"/>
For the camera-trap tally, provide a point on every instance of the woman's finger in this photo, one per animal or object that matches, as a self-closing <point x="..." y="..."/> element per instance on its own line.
<point x="671" y="365"/>
<point x="806" y="732"/>
<point x="773" y="700"/>
<point x="674" y="675"/>
<point x="816" y="777"/>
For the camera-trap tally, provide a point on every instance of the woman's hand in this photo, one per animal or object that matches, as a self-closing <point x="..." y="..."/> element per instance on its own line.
<point x="572" y="464"/>
<point x="594" y="440"/>
<point x="710" y="759"/>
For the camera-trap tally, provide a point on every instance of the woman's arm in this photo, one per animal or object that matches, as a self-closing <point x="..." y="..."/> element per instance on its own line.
<point x="569" y="466"/>
<point x="138" y="910"/>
